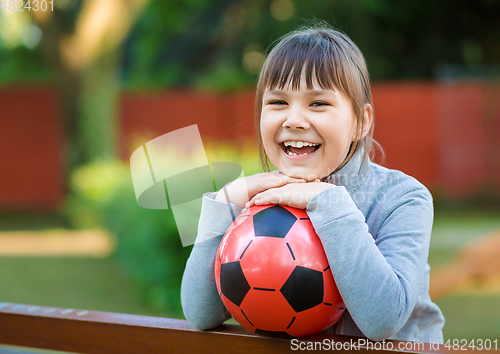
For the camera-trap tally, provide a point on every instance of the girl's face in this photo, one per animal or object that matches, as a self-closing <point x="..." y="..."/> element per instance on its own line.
<point x="306" y="133"/>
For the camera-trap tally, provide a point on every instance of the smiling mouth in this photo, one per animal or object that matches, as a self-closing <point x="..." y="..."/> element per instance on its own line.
<point x="299" y="148"/>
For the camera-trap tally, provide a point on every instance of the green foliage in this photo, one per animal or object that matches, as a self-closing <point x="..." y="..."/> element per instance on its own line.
<point x="203" y="43"/>
<point x="225" y="76"/>
<point x="21" y="65"/>
<point x="150" y="248"/>
<point x="97" y="179"/>
<point x="149" y="245"/>
<point x="207" y="42"/>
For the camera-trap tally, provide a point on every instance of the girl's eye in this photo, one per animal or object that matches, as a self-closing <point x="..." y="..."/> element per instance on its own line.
<point x="277" y="102"/>
<point x="319" y="103"/>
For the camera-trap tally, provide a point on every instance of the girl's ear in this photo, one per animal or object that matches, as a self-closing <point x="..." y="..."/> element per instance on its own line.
<point x="367" y="119"/>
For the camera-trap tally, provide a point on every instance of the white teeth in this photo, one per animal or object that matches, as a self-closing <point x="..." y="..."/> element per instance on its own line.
<point x="294" y="154"/>
<point x="298" y="144"/>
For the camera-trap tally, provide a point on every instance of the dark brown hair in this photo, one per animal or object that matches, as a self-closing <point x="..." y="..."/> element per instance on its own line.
<point x="334" y="61"/>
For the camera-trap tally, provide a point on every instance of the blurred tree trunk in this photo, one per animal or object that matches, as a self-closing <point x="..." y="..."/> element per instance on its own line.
<point x="87" y="64"/>
<point x="100" y="83"/>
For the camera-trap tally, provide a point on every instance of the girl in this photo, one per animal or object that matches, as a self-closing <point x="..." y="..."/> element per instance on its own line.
<point x="316" y="126"/>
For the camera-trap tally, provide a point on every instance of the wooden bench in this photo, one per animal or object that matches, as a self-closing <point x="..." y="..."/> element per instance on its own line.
<point x="83" y="331"/>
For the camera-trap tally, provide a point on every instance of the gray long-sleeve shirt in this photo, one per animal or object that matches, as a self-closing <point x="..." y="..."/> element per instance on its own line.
<point x="375" y="227"/>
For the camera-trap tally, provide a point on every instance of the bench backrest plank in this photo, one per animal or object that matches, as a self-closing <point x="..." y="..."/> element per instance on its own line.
<point x="84" y="331"/>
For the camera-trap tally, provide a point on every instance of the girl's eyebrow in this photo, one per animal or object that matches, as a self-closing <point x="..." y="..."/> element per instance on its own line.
<point x="278" y="92"/>
<point x="322" y="93"/>
<point x="275" y="92"/>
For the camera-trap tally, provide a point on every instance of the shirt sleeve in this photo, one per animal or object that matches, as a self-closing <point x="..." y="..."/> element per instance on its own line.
<point x="378" y="276"/>
<point x="200" y="300"/>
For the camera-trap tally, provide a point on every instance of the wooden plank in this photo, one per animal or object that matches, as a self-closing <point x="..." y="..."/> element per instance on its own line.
<point x="83" y="331"/>
<point x="15" y="351"/>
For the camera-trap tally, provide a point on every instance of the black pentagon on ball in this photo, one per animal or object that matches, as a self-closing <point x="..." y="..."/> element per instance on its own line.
<point x="304" y="288"/>
<point x="233" y="282"/>
<point x="274" y="221"/>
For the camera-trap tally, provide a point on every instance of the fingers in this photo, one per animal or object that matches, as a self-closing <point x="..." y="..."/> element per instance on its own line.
<point x="280" y="195"/>
<point x="242" y="190"/>
<point x="297" y="196"/>
<point x="293" y="179"/>
<point x="263" y="198"/>
<point x="277" y="179"/>
<point x="264" y="181"/>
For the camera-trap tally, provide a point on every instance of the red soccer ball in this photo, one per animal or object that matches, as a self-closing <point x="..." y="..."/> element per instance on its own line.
<point x="273" y="276"/>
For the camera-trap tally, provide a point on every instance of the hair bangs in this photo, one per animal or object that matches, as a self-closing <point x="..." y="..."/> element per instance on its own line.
<point x="302" y="57"/>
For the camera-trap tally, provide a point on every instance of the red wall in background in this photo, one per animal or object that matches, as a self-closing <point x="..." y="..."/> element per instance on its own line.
<point x="405" y="126"/>
<point x="445" y="135"/>
<point x="469" y="136"/>
<point x="31" y="172"/>
<point x="219" y="117"/>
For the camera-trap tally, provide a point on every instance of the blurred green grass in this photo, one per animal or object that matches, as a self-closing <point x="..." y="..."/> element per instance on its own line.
<point x="32" y="221"/>
<point x="468" y="315"/>
<point x="71" y="282"/>
<point x="471" y="316"/>
<point x="454" y="230"/>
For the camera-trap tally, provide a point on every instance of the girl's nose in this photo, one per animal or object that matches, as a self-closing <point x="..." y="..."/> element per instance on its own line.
<point x="296" y="120"/>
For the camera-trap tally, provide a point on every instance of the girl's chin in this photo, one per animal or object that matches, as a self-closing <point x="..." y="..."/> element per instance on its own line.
<point x="310" y="177"/>
<point x="304" y="173"/>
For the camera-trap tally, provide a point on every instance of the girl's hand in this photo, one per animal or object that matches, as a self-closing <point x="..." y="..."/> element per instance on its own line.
<point x="240" y="191"/>
<point x="294" y="195"/>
